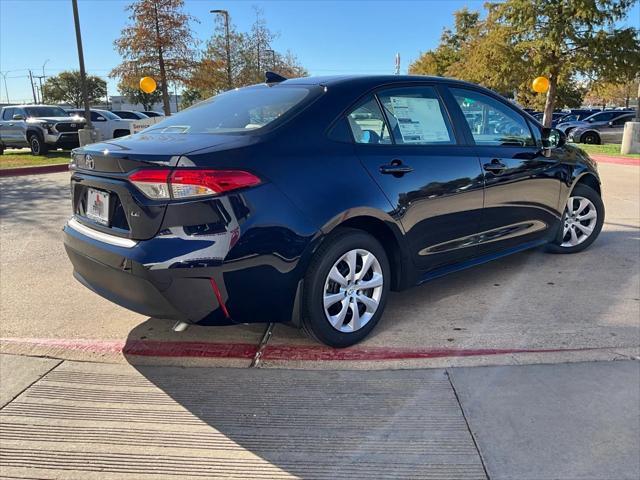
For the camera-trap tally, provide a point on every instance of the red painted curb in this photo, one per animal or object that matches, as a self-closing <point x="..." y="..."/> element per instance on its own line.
<point x="616" y="160"/>
<point x="16" y="172"/>
<point x="155" y="348"/>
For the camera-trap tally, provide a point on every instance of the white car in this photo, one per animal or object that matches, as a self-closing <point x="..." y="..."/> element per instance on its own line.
<point x="108" y="124"/>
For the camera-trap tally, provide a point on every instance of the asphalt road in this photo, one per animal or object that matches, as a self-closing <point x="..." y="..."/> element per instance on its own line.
<point x="587" y="305"/>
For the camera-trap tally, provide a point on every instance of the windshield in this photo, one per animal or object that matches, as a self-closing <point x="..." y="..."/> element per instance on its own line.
<point x="109" y="115"/>
<point x="45" y="112"/>
<point x="234" y="111"/>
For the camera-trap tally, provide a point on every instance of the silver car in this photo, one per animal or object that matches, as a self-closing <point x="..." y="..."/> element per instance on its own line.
<point x="601" y="132"/>
<point x="599" y="118"/>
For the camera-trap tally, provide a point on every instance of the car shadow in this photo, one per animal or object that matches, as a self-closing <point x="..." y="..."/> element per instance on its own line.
<point x="302" y="423"/>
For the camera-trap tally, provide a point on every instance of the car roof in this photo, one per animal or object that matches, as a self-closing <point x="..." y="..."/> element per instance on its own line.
<point x="367" y="80"/>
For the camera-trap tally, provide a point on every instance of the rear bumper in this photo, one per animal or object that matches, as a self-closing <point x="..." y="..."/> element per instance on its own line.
<point x="121" y="274"/>
<point x="244" y="267"/>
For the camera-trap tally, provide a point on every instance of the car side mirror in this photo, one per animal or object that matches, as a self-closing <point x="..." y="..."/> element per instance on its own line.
<point x="553" y="138"/>
<point x="610" y="124"/>
<point x="100" y="119"/>
<point x="18" y="116"/>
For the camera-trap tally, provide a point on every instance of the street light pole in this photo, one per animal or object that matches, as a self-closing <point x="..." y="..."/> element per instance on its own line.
<point x="228" y="44"/>
<point x="83" y="79"/>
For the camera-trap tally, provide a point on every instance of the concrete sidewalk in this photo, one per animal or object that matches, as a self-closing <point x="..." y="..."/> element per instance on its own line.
<point x="86" y="420"/>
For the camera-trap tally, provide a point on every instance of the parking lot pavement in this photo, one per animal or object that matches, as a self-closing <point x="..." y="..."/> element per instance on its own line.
<point x="529" y="308"/>
<point x="17" y="373"/>
<point x="534" y="422"/>
<point x="89" y="420"/>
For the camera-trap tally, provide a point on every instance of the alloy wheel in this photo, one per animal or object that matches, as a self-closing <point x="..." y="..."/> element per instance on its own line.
<point x="35" y="145"/>
<point x="580" y="218"/>
<point x="352" y="290"/>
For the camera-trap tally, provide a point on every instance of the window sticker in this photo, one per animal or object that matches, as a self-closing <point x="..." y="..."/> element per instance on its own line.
<point x="420" y="120"/>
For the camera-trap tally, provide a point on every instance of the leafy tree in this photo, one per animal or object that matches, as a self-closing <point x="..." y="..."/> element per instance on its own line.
<point x="66" y="88"/>
<point x="518" y="40"/>
<point x="158" y="42"/>
<point x="138" y="97"/>
<point x="452" y="43"/>
<point x="189" y="97"/>
<point x="251" y="54"/>
<point x="612" y="93"/>
<point x="566" y="38"/>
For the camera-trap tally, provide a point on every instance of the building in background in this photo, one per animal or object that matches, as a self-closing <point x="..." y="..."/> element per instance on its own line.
<point x="121" y="102"/>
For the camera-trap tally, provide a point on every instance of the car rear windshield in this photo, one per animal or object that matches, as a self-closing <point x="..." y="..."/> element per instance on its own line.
<point x="235" y="111"/>
<point x="45" y="112"/>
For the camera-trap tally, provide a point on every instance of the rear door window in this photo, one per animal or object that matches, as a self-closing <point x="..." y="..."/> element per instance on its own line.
<point x="8" y="114"/>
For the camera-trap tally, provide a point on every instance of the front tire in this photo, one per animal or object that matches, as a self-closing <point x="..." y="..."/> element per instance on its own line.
<point x="582" y="221"/>
<point x="345" y="288"/>
<point x="37" y="145"/>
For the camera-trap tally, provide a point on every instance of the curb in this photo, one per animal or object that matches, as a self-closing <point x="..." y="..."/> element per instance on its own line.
<point x="37" y="170"/>
<point x="194" y="349"/>
<point x="615" y="160"/>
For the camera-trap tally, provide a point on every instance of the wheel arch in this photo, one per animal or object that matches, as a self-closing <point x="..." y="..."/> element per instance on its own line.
<point x="388" y="234"/>
<point x="588" y="179"/>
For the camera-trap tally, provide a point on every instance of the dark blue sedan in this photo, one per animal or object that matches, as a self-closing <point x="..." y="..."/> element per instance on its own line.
<point x="308" y="200"/>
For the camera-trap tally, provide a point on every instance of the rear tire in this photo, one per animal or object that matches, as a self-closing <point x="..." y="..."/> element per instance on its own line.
<point x="37" y="145"/>
<point x="336" y="311"/>
<point x="582" y="221"/>
<point x="590" y="138"/>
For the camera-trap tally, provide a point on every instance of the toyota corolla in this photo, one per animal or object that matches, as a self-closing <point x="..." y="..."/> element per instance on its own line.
<point x="307" y="200"/>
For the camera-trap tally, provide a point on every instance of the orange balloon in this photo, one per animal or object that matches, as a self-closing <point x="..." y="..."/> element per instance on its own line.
<point x="147" y="84"/>
<point x="540" y="84"/>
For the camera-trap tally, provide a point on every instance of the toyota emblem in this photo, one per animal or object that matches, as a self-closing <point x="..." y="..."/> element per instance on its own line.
<point x="89" y="162"/>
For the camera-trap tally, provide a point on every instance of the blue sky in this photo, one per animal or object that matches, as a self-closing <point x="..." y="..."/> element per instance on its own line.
<point x="327" y="36"/>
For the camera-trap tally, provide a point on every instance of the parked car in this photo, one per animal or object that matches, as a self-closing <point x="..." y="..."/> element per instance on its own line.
<point x="308" y="200"/>
<point x="130" y="114"/>
<point x="153" y="114"/>
<point x="39" y="127"/>
<point x="598" y="118"/>
<point x="601" y="132"/>
<point x="107" y="123"/>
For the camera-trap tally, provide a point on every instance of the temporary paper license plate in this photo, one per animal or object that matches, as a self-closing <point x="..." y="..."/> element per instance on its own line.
<point x="98" y="206"/>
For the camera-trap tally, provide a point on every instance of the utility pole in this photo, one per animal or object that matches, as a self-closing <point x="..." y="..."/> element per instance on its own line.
<point x="225" y="13"/>
<point x="6" y="88"/>
<point x="33" y="88"/>
<point x="397" y="71"/>
<point x="40" y="80"/>
<point x="40" y="77"/>
<point x="87" y="132"/>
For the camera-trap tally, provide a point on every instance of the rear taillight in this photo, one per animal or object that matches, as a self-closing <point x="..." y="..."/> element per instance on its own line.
<point x="153" y="183"/>
<point x="190" y="182"/>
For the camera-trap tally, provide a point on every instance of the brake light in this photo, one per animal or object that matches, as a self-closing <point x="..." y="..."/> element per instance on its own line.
<point x="154" y="183"/>
<point x="190" y="182"/>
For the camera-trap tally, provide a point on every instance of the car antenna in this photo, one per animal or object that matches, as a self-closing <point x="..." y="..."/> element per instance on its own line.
<point x="272" y="77"/>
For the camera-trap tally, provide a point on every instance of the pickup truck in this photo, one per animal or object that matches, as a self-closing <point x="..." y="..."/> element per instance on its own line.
<point x="39" y="127"/>
<point x="108" y="124"/>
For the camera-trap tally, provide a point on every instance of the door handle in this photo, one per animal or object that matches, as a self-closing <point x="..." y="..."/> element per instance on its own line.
<point x="396" y="168"/>
<point x="495" y="166"/>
